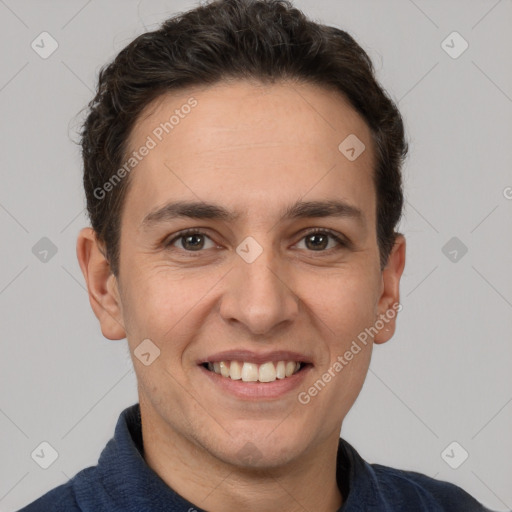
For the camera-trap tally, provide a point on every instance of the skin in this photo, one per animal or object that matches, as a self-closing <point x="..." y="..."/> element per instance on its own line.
<point x="253" y="149"/>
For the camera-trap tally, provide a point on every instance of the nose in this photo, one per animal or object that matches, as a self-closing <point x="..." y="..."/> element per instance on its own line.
<point x="259" y="296"/>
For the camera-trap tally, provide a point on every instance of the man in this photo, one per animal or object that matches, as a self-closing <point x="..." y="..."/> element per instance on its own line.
<point x="242" y="174"/>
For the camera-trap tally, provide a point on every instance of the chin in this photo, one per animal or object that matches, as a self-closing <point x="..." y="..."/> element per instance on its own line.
<point x="264" y="451"/>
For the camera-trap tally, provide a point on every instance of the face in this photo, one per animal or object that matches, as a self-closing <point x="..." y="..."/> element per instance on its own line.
<point x="280" y="262"/>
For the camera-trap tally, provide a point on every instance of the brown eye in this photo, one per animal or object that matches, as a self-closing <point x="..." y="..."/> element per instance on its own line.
<point x="191" y="241"/>
<point x="318" y="240"/>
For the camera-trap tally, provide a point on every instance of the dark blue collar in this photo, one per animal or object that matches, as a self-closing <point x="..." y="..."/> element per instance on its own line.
<point x="128" y="483"/>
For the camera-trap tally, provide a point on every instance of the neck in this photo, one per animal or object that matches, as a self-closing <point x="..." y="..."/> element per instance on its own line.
<point x="210" y="483"/>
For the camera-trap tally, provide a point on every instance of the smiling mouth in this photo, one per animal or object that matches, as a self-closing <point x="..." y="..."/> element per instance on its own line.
<point x="251" y="372"/>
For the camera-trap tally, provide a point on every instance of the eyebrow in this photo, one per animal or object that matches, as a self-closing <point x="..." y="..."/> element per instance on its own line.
<point x="298" y="210"/>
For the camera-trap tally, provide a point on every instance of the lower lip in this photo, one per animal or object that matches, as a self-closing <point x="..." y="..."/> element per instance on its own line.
<point x="258" y="390"/>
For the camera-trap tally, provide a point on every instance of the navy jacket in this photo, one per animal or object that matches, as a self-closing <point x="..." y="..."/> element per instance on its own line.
<point x="123" y="482"/>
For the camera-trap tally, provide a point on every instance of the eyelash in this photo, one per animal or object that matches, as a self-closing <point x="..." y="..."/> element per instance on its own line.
<point x="342" y="243"/>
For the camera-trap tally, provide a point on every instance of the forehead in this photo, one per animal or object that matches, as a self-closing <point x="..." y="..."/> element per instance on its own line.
<point x="243" y="143"/>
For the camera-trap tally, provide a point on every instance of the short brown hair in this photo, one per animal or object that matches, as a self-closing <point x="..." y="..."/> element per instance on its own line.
<point x="264" y="40"/>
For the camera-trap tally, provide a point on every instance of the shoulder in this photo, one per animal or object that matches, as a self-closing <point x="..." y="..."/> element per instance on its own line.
<point x="60" y="499"/>
<point x="386" y="489"/>
<point x="405" y="487"/>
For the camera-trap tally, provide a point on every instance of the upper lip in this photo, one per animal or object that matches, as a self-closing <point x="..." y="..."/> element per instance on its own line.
<point x="256" y="357"/>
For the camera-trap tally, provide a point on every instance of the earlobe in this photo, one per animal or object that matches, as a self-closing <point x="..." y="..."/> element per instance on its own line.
<point x="389" y="302"/>
<point x="101" y="285"/>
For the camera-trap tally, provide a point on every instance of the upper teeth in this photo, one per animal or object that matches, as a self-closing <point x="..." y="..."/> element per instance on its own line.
<point x="251" y="372"/>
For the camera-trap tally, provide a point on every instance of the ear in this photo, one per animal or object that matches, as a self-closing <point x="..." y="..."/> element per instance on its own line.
<point x="389" y="301"/>
<point x="101" y="285"/>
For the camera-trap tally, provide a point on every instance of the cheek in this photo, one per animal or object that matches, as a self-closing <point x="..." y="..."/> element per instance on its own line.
<point x="345" y="301"/>
<point x="340" y="380"/>
<point x="342" y="306"/>
<point x="163" y="305"/>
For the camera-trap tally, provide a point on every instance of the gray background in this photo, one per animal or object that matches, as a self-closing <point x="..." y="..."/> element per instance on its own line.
<point x="444" y="377"/>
